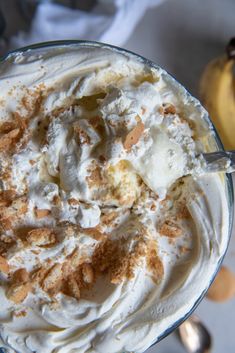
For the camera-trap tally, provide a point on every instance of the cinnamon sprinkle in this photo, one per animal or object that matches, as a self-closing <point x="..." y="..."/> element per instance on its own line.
<point x="170" y="229"/>
<point x="95" y="177"/>
<point x="82" y="136"/>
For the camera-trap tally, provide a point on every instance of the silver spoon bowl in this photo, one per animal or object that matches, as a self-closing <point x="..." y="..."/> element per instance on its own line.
<point x="219" y="161"/>
<point x="195" y="336"/>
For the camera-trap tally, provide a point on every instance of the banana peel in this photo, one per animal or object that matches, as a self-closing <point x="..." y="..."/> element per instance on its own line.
<point x="217" y="93"/>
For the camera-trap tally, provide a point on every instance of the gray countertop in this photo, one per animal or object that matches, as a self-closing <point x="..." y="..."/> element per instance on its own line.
<point x="182" y="36"/>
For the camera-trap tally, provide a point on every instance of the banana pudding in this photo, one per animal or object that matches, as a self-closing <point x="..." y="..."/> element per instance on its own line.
<point x="109" y="231"/>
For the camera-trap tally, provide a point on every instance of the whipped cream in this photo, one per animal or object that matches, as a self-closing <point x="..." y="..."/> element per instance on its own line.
<point x="102" y="150"/>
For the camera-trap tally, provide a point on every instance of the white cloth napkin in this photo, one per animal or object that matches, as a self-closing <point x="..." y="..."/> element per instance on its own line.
<point x="110" y="21"/>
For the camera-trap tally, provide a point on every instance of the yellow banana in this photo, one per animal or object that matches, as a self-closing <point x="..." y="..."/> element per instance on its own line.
<point x="217" y="92"/>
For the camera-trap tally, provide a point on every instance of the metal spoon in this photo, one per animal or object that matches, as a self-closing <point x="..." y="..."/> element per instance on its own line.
<point x="194" y="336"/>
<point x="219" y="161"/>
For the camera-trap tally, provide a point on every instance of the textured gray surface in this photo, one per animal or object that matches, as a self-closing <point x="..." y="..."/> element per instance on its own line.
<point x="182" y="36"/>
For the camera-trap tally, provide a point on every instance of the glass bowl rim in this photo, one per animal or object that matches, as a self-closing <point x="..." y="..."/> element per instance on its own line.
<point x="150" y="63"/>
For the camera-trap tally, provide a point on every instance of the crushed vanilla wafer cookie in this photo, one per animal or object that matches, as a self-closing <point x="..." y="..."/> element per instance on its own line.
<point x="17" y="292"/>
<point x="41" y="213"/>
<point x="133" y="136"/>
<point x="109" y="233"/>
<point x="170" y="229"/>
<point x="223" y="287"/>
<point x="41" y="237"/>
<point x="4" y="266"/>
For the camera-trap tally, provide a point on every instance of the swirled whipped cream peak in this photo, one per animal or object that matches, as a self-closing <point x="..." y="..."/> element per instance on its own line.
<point x="109" y="232"/>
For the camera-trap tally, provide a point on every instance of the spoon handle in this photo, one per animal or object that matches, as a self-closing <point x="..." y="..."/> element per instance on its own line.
<point x="219" y="161"/>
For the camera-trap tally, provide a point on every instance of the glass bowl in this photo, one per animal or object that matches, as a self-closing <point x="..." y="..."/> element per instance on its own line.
<point x="217" y="144"/>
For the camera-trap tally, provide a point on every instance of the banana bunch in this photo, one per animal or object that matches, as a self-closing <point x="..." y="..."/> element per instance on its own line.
<point x="217" y="93"/>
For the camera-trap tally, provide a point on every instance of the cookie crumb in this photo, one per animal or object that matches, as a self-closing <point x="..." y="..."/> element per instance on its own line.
<point x="133" y="136"/>
<point x="41" y="213"/>
<point x="17" y="292"/>
<point x="41" y="237"/>
<point x="170" y="229"/>
<point x="4" y="266"/>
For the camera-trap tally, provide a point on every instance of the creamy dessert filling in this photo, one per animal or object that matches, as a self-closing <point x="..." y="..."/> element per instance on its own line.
<point x="109" y="230"/>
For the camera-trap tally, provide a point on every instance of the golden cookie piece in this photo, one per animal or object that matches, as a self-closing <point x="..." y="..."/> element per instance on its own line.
<point x="223" y="287"/>
<point x="4" y="266"/>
